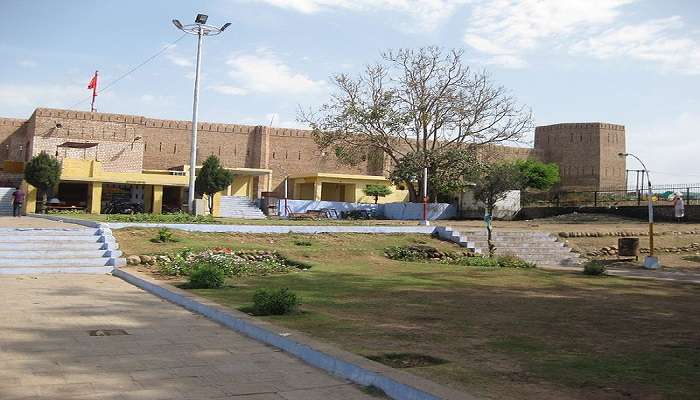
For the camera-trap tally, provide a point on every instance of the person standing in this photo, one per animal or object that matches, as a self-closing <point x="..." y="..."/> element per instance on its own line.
<point x="678" y="207"/>
<point x="18" y="197"/>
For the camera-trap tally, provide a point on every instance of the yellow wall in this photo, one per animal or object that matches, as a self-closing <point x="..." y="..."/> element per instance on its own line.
<point x="304" y="191"/>
<point x="157" y="207"/>
<point x="240" y="186"/>
<point x="91" y="171"/>
<point x="348" y="189"/>
<point x="396" y="196"/>
<point x="30" y="201"/>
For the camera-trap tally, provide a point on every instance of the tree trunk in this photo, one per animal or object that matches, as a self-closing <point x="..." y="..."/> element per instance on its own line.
<point x="489" y="229"/>
<point x="210" y="203"/>
<point x="376" y="200"/>
<point x="412" y="195"/>
<point x="43" y="201"/>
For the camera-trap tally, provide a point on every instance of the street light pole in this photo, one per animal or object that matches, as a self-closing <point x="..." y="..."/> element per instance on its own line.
<point x="195" y="109"/>
<point x="201" y="29"/>
<point x="650" y="262"/>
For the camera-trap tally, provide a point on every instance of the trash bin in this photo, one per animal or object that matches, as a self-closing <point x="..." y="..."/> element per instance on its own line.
<point x="628" y="247"/>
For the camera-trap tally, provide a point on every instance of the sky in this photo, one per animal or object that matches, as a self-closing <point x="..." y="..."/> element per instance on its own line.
<point x="629" y="62"/>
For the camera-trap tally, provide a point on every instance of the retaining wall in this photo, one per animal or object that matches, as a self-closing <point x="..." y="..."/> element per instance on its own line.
<point x="397" y="211"/>
<point x="661" y="213"/>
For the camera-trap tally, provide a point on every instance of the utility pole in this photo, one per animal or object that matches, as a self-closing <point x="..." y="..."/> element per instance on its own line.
<point x="201" y="29"/>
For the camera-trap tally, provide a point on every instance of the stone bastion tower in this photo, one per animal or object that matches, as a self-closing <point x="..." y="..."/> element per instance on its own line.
<point x="587" y="154"/>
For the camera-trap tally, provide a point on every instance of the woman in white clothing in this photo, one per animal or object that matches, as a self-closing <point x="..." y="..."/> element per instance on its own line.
<point x="678" y="207"/>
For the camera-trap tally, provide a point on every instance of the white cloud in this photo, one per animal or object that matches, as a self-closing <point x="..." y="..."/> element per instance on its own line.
<point x="28" y="63"/>
<point x="265" y="72"/>
<point x="151" y="100"/>
<point x="32" y="96"/>
<point x="425" y="15"/>
<point x="274" y="120"/>
<point x="178" y="59"/>
<point x="506" y="30"/>
<point x="659" y="41"/>
<point x="229" y="90"/>
<point x="669" y="160"/>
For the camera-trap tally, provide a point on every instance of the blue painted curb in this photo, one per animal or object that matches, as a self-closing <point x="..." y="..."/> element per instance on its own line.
<point x="334" y="365"/>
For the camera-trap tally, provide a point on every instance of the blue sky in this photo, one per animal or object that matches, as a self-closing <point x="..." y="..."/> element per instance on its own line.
<point x="631" y="62"/>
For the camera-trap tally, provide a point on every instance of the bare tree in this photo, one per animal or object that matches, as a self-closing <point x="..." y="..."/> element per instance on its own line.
<point x="415" y="101"/>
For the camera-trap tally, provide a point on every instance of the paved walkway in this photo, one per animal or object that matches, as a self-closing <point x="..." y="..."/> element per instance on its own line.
<point x="664" y="274"/>
<point x="46" y="351"/>
<point x="31" y="222"/>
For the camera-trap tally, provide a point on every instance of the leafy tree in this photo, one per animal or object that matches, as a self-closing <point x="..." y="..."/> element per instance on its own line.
<point x="449" y="170"/>
<point x="538" y="175"/>
<point x="495" y="181"/>
<point x="44" y="173"/>
<point x="212" y="178"/>
<point x="377" y="191"/>
<point x="493" y="184"/>
<point x="415" y="102"/>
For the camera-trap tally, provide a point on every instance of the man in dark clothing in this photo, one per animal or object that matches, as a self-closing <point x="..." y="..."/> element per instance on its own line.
<point x="17" y="200"/>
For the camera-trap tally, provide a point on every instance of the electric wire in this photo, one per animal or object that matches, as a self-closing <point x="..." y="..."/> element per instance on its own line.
<point x="129" y="72"/>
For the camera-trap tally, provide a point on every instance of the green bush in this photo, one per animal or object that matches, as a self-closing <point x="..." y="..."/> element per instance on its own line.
<point x="173" y="218"/>
<point x="478" y="261"/>
<point x="206" y="276"/>
<point x="510" y="261"/>
<point x="274" y="302"/>
<point x="164" y="235"/>
<point x="594" y="268"/>
<point x="302" y="243"/>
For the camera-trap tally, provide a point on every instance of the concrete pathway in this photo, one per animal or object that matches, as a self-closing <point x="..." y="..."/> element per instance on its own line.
<point x="31" y="222"/>
<point x="666" y="274"/>
<point x="47" y="352"/>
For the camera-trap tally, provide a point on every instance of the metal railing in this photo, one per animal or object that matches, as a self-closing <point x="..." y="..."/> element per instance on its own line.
<point x="612" y="197"/>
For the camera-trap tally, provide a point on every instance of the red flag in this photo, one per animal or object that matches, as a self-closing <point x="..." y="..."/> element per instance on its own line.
<point x="93" y="83"/>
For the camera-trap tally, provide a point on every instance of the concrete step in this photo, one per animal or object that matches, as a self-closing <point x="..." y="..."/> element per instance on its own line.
<point x="55" y="233"/>
<point x="39" y="237"/>
<point x="63" y="262"/>
<point x="31" y="270"/>
<point x="32" y="245"/>
<point x="57" y="254"/>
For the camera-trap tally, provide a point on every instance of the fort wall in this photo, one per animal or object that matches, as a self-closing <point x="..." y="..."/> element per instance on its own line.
<point x="585" y="152"/>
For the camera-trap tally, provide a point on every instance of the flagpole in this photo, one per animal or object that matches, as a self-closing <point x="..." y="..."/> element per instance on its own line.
<point x="94" y="94"/>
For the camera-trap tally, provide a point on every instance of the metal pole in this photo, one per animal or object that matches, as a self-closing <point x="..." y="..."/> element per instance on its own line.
<point x="193" y="147"/>
<point x="285" y="196"/>
<point x="651" y="219"/>
<point x="425" y="196"/>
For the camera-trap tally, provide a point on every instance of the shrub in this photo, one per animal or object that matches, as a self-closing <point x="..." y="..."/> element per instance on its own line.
<point x="164" y="235"/>
<point x="478" y="261"/>
<point x="302" y="243"/>
<point x="172" y="218"/>
<point x="274" y="302"/>
<point x="510" y="261"/>
<point x="232" y="263"/>
<point x="594" y="268"/>
<point x="206" y="276"/>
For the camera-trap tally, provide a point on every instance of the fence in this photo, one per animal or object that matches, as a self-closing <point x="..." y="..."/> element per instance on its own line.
<point x="612" y="197"/>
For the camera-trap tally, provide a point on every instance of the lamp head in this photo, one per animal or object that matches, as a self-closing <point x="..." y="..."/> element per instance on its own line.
<point x="177" y="24"/>
<point x="226" y="25"/>
<point x="201" y="19"/>
<point x="622" y="154"/>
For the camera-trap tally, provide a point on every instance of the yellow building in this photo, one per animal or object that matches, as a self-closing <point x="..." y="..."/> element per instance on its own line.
<point x="342" y="187"/>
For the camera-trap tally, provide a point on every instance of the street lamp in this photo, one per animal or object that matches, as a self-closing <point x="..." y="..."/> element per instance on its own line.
<point x="650" y="261"/>
<point x="201" y="29"/>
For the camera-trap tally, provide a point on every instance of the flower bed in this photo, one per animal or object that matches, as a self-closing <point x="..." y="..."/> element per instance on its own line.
<point x="231" y="262"/>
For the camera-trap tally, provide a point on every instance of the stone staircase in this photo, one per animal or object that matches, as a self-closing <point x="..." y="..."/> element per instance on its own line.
<point x="239" y="207"/>
<point x="540" y="248"/>
<point x="6" y="200"/>
<point x="27" y="251"/>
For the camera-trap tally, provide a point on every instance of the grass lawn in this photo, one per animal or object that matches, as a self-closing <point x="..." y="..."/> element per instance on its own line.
<point x="506" y="334"/>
